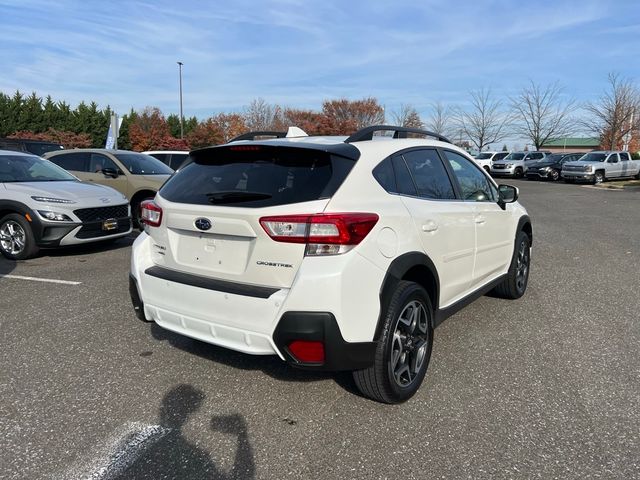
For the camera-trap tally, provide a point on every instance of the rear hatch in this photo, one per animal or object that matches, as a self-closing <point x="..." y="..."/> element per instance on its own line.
<point x="211" y="209"/>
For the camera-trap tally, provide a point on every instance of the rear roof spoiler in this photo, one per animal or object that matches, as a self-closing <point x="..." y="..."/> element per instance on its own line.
<point x="292" y="132"/>
<point x="257" y="134"/>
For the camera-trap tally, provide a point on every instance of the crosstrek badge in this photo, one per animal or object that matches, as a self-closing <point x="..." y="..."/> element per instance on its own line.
<point x="274" y="264"/>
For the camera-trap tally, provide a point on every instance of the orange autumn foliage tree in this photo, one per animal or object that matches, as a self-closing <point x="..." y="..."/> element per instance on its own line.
<point x="150" y="131"/>
<point x="66" y="139"/>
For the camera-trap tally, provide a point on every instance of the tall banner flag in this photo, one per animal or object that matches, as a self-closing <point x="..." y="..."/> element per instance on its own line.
<point x="112" y="135"/>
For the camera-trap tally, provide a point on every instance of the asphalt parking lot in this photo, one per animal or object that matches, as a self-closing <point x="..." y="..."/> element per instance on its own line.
<point x="544" y="387"/>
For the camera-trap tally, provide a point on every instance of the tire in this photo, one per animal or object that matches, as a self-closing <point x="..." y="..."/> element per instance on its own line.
<point x="518" y="173"/>
<point x="488" y="170"/>
<point x="554" y="175"/>
<point x="404" y="348"/>
<point x="637" y="177"/>
<point x="17" y="241"/>
<point x="598" y="177"/>
<point x="515" y="284"/>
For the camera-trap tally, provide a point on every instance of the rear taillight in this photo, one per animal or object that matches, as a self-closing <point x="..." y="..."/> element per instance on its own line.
<point x="323" y="233"/>
<point x="150" y="213"/>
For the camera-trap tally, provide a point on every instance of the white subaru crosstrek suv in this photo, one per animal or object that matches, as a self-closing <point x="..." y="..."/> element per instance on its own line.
<point x="43" y="206"/>
<point x="333" y="253"/>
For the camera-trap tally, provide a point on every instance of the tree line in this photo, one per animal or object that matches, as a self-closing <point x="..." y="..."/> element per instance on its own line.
<point x="538" y="113"/>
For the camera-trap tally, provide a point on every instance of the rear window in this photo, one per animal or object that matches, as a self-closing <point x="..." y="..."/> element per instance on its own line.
<point x="257" y="176"/>
<point x="42" y="148"/>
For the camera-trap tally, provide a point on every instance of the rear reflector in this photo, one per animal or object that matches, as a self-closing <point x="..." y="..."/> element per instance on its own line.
<point x="320" y="231"/>
<point x="307" y="351"/>
<point x="150" y="213"/>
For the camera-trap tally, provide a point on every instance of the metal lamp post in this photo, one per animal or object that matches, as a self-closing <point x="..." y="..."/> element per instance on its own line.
<point x="181" y="117"/>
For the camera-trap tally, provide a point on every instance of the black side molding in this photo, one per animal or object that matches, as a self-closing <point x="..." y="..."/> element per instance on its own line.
<point x="444" y="313"/>
<point x="211" y="283"/>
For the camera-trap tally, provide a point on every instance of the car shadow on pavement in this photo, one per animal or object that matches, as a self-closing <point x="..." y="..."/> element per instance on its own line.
<point x="6" y="266"/>
<point x="271" y="365"/>
<point x="173" y="456"/>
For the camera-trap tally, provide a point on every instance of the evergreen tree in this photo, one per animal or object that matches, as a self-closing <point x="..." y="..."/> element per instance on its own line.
<point x="5" y="115"/>
<point x="30" y="117"/>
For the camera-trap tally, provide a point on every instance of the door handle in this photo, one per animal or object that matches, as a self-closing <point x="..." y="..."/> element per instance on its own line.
<point x="430" y="226"/>
<point x="480" y="219"/>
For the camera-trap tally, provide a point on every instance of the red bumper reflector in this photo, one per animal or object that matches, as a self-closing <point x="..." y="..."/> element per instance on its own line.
<point x="307" y="351"/>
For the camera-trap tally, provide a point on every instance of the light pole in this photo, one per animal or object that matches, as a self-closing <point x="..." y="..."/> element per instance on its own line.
<point x="181" y="117"/>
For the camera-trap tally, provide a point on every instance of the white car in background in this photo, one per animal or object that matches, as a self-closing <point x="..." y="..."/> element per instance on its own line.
<point x="486" y="159"/>
<point x="44" y="206"/>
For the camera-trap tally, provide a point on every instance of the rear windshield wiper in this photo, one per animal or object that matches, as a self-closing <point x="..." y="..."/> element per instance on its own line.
<point x="236" y="196"/>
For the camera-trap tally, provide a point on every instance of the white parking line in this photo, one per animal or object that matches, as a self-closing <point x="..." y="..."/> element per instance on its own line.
<point x="118" y="453"/>
<point x="45" y="280"/>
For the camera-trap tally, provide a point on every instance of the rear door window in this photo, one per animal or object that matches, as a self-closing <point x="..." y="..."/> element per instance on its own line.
<point x="73" y="162"/>
<point x="429" y="174"/>
<point x="257" y="176"/>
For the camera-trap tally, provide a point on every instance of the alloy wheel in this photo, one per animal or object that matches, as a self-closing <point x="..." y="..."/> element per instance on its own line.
<point x="522" y="266"/>
<point x="410" y="343"/>
<point x="12" y="237"/>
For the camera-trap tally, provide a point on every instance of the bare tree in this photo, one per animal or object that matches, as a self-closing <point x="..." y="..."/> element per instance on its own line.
<point x="260" y="115"/>
<point x="616" y="114"/>
<point x="440" y="120"/>
<point x="541" y="114"/>
<point x="406" y="116"/>
<point x="484" y="122"/>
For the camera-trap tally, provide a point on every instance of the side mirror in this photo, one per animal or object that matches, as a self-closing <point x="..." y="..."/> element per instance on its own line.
<point x="110" y="172"/>
<point x="508" y="194"/>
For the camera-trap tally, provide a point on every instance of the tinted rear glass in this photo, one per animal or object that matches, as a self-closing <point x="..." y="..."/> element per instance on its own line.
<point x="141" y="164"/>
<point x="257" y="177"/>
<point x="42" y="148"/>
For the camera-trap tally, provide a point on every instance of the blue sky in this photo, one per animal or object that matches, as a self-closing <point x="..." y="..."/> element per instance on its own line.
<point x="298" y="53"/>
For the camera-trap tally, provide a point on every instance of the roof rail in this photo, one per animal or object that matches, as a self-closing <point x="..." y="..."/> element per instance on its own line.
<point x="399" y="132"/>
<point x="259" y="133"/>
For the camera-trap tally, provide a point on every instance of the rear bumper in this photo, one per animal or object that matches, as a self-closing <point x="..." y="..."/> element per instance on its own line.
<point x="259" y="322"/>
<point x="322" y="326"/>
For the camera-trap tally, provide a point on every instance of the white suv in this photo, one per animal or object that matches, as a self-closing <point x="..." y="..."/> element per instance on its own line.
<point x="332" y="253"/>
<point x="486" y="159"/>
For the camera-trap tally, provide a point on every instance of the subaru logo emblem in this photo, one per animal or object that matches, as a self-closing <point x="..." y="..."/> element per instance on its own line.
<point x="202" y="224"/>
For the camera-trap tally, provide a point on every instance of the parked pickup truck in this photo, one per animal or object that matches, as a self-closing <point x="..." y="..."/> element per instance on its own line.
<point x="596" y="167"/>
